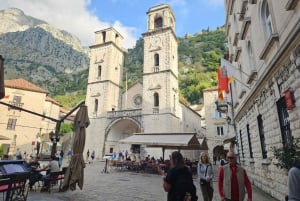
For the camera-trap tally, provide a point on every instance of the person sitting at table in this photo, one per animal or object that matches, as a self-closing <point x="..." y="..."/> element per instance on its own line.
<point x="52" y="166"/>
<point x="35" y="169"/>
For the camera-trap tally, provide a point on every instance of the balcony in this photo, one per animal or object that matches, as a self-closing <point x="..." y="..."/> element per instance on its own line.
<point x="155" y="110"/>
<point x="237" y="53"/>
<point x="252" y="77"/>
<point x="245" y="27"/>
<point x="124" y="113"/>
<point x="16" y="104"/>
<point x="268" y="46"/>
<point x="243" y="9"/>
<point x="236" y="39"/>
<point x="291" y="4"/>
<point x="242" y="94"/>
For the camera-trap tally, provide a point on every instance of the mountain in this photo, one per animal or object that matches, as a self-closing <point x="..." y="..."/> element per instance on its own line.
<point x="54" y="59"/>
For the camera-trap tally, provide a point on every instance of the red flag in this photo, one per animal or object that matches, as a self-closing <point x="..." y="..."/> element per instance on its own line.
<point x="223" y="80"/>
<point x="220" y="95"/>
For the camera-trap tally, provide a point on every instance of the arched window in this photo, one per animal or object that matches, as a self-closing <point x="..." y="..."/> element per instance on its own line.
<point x="156" y="59"/>
<point x="266" y="18"/>
<point x="156" y="99"/>
<point x="96" y="105"/>
<point x="158" y="22"/>
<point x="99" y="71"/>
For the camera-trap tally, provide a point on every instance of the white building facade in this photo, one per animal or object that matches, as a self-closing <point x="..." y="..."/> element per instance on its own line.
<point x="264" y="52"/>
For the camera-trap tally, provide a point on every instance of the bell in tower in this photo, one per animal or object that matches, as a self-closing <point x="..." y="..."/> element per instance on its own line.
<point x="159" y="17"/>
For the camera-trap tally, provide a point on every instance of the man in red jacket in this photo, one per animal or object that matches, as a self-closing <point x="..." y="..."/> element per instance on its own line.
<point x="233" y="181"/>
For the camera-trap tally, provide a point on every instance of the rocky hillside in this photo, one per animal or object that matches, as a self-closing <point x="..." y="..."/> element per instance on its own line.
<point x="42" y="54"/>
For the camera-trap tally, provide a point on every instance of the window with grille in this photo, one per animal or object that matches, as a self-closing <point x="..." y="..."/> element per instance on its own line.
<point x="11" y="124"/>
<point x="249" y="141"/>
<point x="242" y="146"/>
<point x="262" y="136"/>
<point x="284" y="122"/>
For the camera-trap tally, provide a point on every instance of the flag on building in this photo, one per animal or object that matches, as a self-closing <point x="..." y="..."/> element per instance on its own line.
<point x="220" y="95"/>
<point x="223" y="80"/>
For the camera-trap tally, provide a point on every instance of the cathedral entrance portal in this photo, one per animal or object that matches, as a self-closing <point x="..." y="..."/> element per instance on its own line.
<point x="117" y="130"/>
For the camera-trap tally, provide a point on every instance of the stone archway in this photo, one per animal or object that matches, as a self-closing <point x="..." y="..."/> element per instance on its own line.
<point x="218" y="152"/>
<point x="117" y="130"/>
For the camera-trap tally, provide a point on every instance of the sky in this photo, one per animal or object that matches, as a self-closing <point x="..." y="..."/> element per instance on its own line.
<point x="83" y="17"/>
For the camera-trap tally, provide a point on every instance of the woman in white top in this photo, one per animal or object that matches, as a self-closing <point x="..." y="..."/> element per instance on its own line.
<point x="205" y="175"/>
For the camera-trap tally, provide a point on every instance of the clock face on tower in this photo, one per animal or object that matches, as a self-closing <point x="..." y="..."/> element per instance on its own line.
<point x="138" y="100"/>
<point x="155" y="42"/>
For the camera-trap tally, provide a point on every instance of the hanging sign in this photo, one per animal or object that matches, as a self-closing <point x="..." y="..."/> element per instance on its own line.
<point x="289" y="99"/>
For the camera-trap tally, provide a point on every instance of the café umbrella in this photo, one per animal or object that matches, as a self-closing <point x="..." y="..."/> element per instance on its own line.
<point x="75" y="172"/>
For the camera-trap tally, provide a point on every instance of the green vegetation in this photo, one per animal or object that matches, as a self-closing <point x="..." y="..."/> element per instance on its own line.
<point x="288" y="155"/>
<point x="66" y="128"/>
<point x="71" y="100"/>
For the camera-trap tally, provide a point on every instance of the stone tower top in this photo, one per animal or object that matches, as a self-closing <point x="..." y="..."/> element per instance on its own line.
<point x="108" y="35"/>
<point x="159" y="17"/>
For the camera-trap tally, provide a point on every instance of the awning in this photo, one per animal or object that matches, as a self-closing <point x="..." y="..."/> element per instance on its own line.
<point x="229" y="140"/>
<point x="182" y="141"/>
<point x="2" y="137"/>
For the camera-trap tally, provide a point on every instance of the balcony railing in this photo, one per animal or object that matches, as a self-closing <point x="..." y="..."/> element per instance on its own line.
<point x="20" y="105"/>
<point x="124" y="113"/>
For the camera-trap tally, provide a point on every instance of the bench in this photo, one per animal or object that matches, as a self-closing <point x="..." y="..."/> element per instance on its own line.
<point x="53" y="179"/>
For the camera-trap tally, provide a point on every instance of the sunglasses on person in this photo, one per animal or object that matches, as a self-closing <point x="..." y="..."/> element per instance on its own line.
<point x="231" y="157"/>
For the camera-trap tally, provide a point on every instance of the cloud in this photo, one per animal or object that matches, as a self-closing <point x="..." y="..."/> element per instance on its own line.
<point x="72" y="16"/>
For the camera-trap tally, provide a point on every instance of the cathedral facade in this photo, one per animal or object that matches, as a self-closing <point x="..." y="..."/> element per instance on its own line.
<point x="150" y="106"/>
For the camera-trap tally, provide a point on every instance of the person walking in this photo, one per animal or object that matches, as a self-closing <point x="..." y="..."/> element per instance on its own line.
<point x="87" y="156"/>
<point x="179" y="182"/>
<point x="93" y="156"/>
<point x="205" y="175"/>
<point x="294" y="183"/>
<point x="233" y="180"/>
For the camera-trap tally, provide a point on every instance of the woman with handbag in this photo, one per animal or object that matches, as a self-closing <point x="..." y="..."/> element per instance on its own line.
<point x="205" y="175"/>
<point x="179" y="182"/>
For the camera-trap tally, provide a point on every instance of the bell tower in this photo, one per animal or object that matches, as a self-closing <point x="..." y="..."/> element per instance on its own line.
<point x="160" y="74"/>
<point x="104" y="88"/>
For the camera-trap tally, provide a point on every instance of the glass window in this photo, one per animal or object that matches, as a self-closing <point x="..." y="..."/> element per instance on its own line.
<point x="156" y="100"/>
<point x="96" y="106"/>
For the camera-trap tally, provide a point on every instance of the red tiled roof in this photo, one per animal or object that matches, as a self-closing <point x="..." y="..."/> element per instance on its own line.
<point x="23" y="84"/>
<point x="52" y="101"/>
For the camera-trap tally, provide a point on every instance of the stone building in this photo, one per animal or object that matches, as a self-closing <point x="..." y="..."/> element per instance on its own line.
<point x="217" y="130"/>
<point x="264" y="57"/>
<point x="22" y="128"/>
<point x="150" y="106"/>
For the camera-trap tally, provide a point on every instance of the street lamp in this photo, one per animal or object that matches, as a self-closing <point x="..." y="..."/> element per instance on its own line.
<point x="54" y="139"/>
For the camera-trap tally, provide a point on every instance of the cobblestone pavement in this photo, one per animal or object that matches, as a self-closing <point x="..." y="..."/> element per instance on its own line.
<point x="120" y="186"/>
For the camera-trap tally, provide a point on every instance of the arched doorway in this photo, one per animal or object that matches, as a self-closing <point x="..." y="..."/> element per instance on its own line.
<point x="218" y="153"/>
<point x="117" y="130"/>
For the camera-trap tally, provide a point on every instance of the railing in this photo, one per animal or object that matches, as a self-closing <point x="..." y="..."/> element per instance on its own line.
<point x="124" y="113"/>
<point x="16" y="104"/>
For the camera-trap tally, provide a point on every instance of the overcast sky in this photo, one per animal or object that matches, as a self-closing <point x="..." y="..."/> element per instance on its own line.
<point x="83" y="17"/>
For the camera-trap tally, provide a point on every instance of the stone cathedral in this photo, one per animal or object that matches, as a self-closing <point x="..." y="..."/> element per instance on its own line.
<point x="150" y="107"/>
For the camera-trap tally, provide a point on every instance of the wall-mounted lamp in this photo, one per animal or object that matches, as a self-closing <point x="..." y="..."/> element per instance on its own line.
<point x="228" y="119"/>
